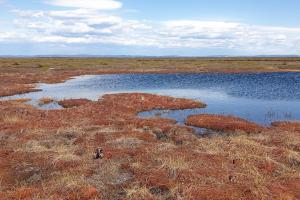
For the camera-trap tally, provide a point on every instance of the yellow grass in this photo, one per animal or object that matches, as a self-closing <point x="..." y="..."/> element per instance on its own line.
<point x="137" y="192"/>
<point x="11" y="119"/>
<point x="45" y="100"/>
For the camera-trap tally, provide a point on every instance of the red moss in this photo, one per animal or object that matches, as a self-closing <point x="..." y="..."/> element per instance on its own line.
<point x="287" y="125"/>
<point x="223" y="123"/>
<point x="4" y="153"/>
<point x="267" y="167"/>
<point x="24" y="193"/>
<point x="89" y="193"/>
<point x="286" y="189"/>
<point x="99" y="139"/>
<point x="154" y="122"/>
<point x="144" y="102"/>
<point x="69" y="103"/>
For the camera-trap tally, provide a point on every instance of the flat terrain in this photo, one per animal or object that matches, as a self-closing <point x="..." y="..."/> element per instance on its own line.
<point x="50" y="154"/>
<point x="17" y="74"/>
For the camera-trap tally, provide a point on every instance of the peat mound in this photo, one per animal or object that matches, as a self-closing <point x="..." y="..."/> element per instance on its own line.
<point x="223" y="123"/>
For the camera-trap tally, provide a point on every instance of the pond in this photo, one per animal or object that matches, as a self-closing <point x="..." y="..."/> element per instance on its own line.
<point x="259" y="97"/>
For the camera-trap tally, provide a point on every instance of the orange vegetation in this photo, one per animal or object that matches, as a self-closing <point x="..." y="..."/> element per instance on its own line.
<point x="69" y="103"/>
<point x="223" y="123"/>
<point x="49" y="155"/>
<point x="288" y="125"/>
<point x="45" y="100"/>
<point x="21" y="100"/>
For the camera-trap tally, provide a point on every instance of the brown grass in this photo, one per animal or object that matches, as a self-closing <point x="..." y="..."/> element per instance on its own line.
<point x="288" y="125"/>
<point x="11" y="119"/>
<point x="45" y="100"/>
<point x="69" y="103"/>
<point x="21" y="100"/>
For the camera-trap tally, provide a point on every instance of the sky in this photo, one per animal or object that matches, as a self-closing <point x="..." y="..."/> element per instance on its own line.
<point x="150" y="27"/>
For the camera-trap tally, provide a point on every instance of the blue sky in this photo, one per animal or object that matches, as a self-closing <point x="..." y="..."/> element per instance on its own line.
<point x="154" y="28"/>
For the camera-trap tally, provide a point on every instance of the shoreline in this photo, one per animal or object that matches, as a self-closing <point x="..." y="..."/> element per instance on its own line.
<point x="49" y="154"/>
<point x="23" y="87"/>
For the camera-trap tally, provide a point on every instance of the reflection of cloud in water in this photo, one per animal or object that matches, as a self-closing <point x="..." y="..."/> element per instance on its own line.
<point x="249" y="96"/>
<point x="71" y="81"/>
<point x="191" y="93"/>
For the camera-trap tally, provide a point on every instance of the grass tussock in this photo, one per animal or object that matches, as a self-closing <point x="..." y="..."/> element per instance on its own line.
<point x="66" y="157"/>
<point x="126" y="142"/>
<point x="45" y="100"/>
<point x="174" y="163"/>
<point x="138" y="192"/>
<point x="20" y="100"/>
<point x="11" y="119"/>
<point x="223" y="123"/>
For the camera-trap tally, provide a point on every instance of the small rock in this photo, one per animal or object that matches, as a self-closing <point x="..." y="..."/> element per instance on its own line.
<point x="160" y="135"/>
<point x="146" y="128"/>
<point x="122" y="178"/>
<point x="69" y="136"/>
<point x="29" y="174"/>
<point x="99" y="154"/>
<point x="232" y="179"/>
<point x="179" y="142"/>
<point x="159" y="190"/>
<point x="35" y="178"/>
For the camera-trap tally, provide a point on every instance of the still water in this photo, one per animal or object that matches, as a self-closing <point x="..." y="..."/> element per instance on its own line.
<point x="259" y="97"/>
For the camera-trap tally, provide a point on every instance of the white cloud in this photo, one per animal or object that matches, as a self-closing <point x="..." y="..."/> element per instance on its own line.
<point x="231" y="35"/>
<point x="11" y="36"/>
<point x="86" y="26"/>
<point x="88" y="4"/>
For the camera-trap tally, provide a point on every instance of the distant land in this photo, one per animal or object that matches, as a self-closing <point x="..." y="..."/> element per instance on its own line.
<point x="145" y="56"/>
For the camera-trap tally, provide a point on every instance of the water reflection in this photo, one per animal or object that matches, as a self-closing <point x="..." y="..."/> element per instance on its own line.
<point x="259" y="97"/>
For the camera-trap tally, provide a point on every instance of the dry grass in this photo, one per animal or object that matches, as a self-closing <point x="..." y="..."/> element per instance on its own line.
<point x="293" y="158"/>
<point x="11" y="119"/>
<point x="288" y="125"/>
<point x="68" y="181"/>
<point x="136" y="164"/>
<point x="150" y="64"/>
<point x="34" y="147"/>
<point x="65" y="155"/>
<point x="20" y="100"/>
<point x="174" y="163"/>
<point x="125" y="142"/>
<point x="138" y="192"/>
<point x="45" y="100"/>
